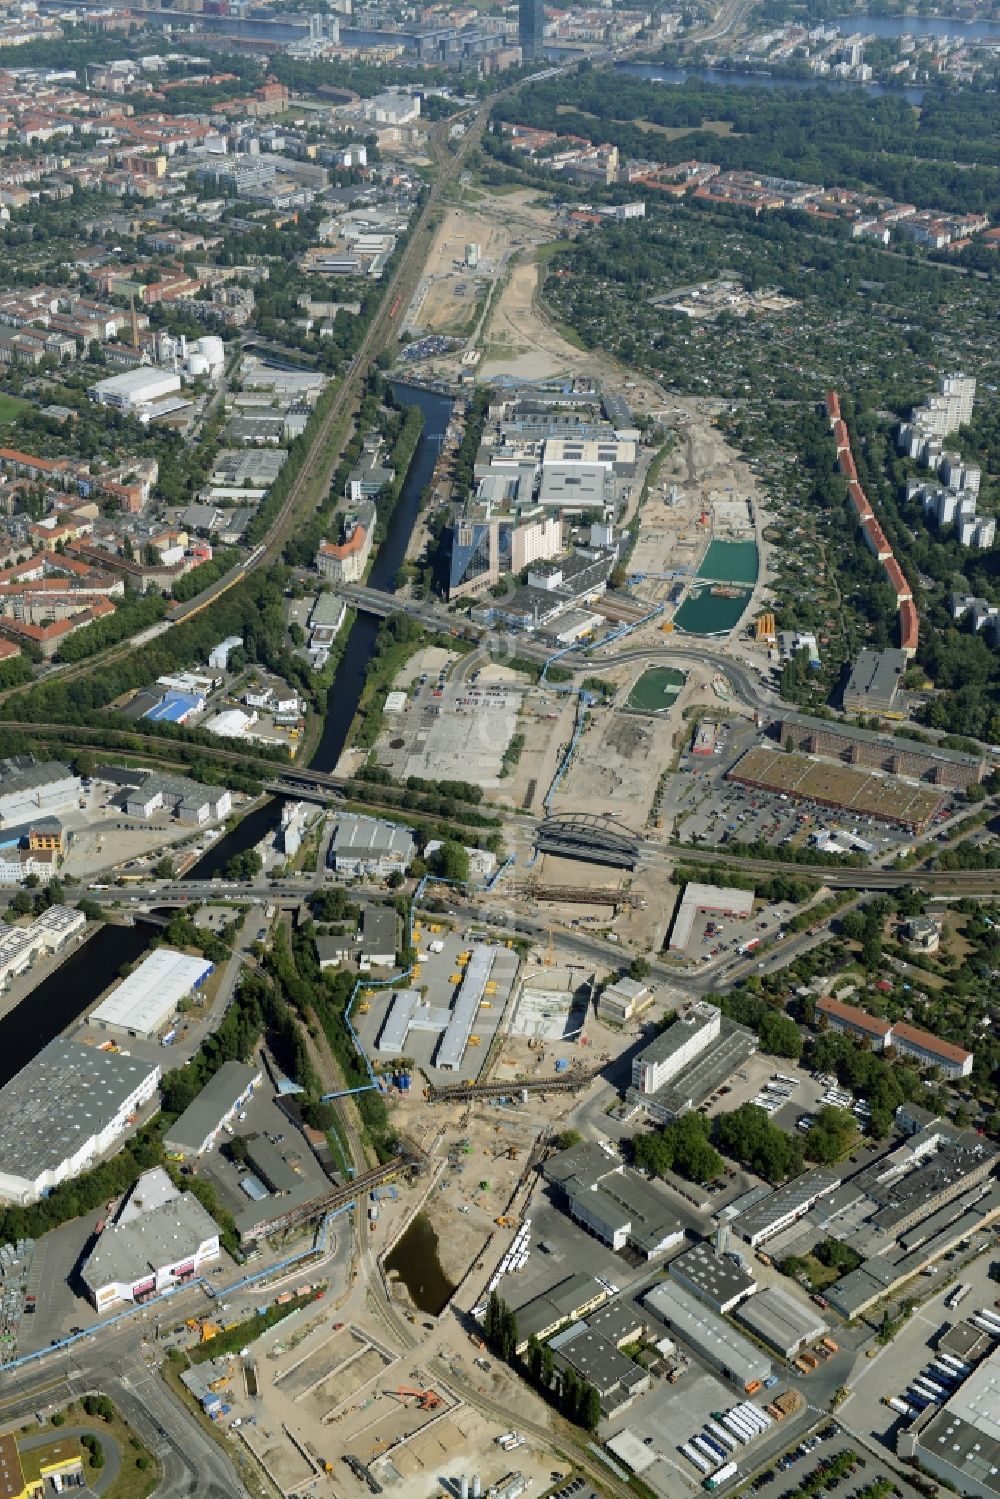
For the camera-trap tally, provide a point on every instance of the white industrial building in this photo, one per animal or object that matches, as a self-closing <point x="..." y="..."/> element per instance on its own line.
<point x="31" y="788"/>
<point x="694" y="1029"/>
<point x="134" y="388"/>
<point x="142" y="1003"/>
<point x="711" y="900"/>
<point x="159" y="1238"/>
<point x="20" y="946"/>
<point x="713" y="1339"/>
<point x="960" y="1441"/>
<point x="62" y="1111"/>
<point x="712" y="1277"/>
<point x="370" y="847"/>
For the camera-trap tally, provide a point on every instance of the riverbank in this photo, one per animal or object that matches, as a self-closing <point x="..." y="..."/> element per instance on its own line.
<point x="42" y="969"/>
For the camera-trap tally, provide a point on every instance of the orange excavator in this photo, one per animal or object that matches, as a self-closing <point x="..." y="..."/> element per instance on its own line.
<point x="427" y="1400"/>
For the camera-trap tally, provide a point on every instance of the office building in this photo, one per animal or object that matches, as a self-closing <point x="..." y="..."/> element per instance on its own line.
<point x="531" y="28"/>
<point x="875" y="682"/>
<point x="224" y="1095"/>
<point x="714" y="1340"/>
<point x="695" y="1028"/>
<point x="62" y="1111"/>
<point x="781" y="1320"/>
<point x="159" y="1238"/>
<point x="142" y="1004"/>
<point x="491" y="541"/>
<point x="369" y="848"/>
<point x="621" y="1001"/>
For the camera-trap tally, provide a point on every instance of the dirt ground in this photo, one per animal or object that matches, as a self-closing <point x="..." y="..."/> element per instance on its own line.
<point x="449" y="289"/>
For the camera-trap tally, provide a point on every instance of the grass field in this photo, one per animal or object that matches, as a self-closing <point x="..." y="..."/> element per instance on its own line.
<point x="656" y="690"/>
<point x="10" y="407"/>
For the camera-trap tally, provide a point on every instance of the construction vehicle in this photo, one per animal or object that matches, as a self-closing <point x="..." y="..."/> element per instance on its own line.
<point x="830" y="1344"/>
<point x="427" y="1400"/>
<point x="810" y="1359"/>
<point x="203" y="1327"/>
<point x="502" y="1222"/>
<point x="473" y="1040"/>
<point x="802" y="1366"/>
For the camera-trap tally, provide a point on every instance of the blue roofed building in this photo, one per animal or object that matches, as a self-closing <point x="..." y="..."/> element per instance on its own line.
<point x="176" y="707"/>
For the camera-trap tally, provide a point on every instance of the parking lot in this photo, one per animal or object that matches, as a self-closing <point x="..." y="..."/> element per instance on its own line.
<point x="450" y="731"/>
<point x="710" y="808"/>
<point x="784" y="1477"/>
<point x="724" y="940"/>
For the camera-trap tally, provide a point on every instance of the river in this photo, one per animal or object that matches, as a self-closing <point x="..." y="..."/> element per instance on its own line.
<point x="892" y="26"/>
<point x="67" y="993"/>
<point x="724" y="78"/>
<point x="349" y="680"/>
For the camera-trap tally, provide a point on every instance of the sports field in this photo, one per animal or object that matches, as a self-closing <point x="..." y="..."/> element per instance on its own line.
<point x="656" y="690"/>
<point x="843" y="786"/>
<point x="10" y="406"/>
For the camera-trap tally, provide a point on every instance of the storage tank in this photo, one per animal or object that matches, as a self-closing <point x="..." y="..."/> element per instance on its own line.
<point x="213" y="349"/>
<point x="197" y="364"/>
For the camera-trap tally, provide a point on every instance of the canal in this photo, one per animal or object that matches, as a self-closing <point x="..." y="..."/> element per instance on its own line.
<point x="722" y="589"/>
<point x="349" y="679"/>
<point x="72" y="989"/>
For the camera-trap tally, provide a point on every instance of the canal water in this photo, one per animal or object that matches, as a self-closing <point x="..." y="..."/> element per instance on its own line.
<point x="727" y="565"/>
<point x="67" y="993"/>
<point x="342" y="700"/>
<point x="415" y="1262"/>
<point x="349" y="680"/>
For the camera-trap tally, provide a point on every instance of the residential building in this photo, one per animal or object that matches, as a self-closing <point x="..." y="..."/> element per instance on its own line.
<point x="345" y="561"/>
<point x="908" y="1040"/>
<point x="878" y="751"/>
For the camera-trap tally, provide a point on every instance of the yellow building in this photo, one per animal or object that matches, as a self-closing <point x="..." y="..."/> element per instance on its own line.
<point x="23" y="1475"/>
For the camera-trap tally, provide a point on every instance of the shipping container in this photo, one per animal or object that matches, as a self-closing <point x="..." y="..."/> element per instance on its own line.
<point x="725" y="1475"/>
<point x="695" y="1457"/>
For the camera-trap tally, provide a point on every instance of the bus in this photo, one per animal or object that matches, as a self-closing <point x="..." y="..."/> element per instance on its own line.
<point x="725" y="1475"/>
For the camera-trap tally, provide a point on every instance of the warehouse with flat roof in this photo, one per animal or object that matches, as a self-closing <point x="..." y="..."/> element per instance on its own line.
<point x="960" y="1443"/>
<point x="197" y="1129"/>
<point x="780" y="1320"/>
<point x="62" y="1111"/>
<point x="715" y="1280"/>
<point x="709" y="1336"/>
<point x="785" y="1206"/>
<point x="700" y="900"/>
<point x="142" y="1003"/>
<point x="160" y="1237"/>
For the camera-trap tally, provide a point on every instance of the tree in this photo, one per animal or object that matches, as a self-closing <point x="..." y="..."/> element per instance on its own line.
<point x="164" y="869"/>
<point x="548" y="1366"/>
<point x="639" y="968"/>
<point x="779" y="1035"/>
<point x="451" y="862"/>
<point x="590" y="1408"/>
<point x="566" y="1138"/>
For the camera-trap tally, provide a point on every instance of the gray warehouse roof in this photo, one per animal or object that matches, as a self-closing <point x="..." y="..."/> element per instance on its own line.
<point x="67" y="1094"/>
<point x="127" y="1251"/>
<point x="708" y="1334"/>
<point x="781" y="1320"/>
<point x="964" y="1437"/>
<point x="205" y="1113"/>
<point x="794" y="1197"/>
<point x="711" y="1278"/>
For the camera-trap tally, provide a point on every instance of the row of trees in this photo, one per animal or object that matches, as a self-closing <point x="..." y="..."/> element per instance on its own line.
<point x="576" y="1398"/>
